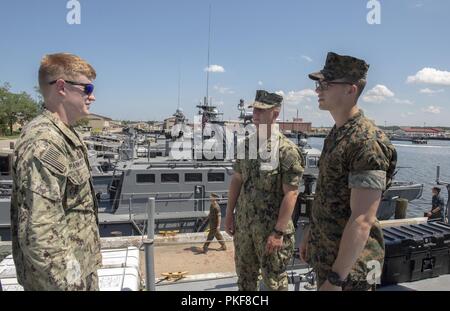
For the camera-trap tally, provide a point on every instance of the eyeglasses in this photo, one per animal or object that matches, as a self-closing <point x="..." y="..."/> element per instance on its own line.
<point x="324" y="85"/>
<point x="88" y="87"/>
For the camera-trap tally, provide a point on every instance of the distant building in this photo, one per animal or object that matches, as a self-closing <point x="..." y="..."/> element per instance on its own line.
<point x="141" y="125"/>
<point x="295" y="126"/>
<point x="156" y="126"/>
<point x="98" y="123"/>
<point x="115" y="127"/>
<point x="168" y="124"/>
<point x="420" y="132"/>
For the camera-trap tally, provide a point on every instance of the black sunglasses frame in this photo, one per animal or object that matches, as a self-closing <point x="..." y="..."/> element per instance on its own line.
<point x="323" y="85"/>
<point x="84" y="85"/>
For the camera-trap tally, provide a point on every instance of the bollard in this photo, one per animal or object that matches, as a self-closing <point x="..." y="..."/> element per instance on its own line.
<point x="149" y="248"/>
<point x="401" y="205"/>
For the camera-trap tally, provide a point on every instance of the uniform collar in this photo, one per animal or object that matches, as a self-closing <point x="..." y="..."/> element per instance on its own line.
<point x="337" y="134"/>
<point x="340" y="132"/>
<point x="66" y="130"/>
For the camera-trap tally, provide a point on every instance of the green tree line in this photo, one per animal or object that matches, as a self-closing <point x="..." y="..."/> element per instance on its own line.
<point x="16" y="108"/>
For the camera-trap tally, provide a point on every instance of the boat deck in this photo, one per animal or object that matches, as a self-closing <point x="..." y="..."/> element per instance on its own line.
<point x="124" y="267"/>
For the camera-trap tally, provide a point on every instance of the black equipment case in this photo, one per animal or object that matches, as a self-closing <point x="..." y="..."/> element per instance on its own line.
<point x="416" y="252"/>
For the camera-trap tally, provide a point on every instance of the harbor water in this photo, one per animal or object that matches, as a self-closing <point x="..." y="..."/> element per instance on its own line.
<point x="417" y="163"/>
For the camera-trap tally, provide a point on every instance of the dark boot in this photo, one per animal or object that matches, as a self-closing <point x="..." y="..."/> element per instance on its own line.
<point x="205" y="248"/>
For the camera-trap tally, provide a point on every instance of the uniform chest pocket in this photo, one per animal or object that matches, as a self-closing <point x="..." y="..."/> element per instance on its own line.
<point x="334" y="162"/>
<point x="270" y="180"/>
<point x="78" y="189"/>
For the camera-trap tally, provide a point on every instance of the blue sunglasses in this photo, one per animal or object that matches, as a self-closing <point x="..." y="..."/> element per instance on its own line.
<point x="88" y="87"/>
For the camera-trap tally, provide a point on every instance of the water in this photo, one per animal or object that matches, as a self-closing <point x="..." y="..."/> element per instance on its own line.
<point x="417" y="163"/>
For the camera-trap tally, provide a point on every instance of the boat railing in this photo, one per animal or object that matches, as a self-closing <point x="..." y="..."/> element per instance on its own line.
<point x="136" y="205"/>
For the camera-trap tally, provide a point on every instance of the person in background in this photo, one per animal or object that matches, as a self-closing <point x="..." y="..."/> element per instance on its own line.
<point x="214" y="225"/>
<point x="437" y="205"/>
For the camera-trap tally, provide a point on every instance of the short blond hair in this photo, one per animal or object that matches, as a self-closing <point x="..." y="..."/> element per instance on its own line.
<point x="63" y="66"/>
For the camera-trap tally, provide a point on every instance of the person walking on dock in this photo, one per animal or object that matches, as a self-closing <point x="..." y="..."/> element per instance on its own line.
<point x="214" y="225"/>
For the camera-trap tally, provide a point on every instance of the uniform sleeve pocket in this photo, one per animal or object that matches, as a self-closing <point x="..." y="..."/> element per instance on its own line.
<point x="78" y="191"/>
<point x="79" y="177"/>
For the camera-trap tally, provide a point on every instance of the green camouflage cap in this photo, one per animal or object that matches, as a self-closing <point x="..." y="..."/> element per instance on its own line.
<point x="341" y="67"/>
<point x="266" y="100"/>
<point x="214" y="195"/>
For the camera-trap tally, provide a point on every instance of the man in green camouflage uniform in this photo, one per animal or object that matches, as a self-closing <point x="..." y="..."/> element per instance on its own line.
<point x="345" y="243"/>
<point x="214" y="224"/>
<point x="56" y="243"/>
<point x="265" y="196"/>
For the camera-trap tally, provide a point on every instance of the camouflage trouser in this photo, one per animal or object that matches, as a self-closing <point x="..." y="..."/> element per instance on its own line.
<point x="214" y="234"/>
<point x="252" y="261"/>
<point x="355" y="281"/>
<point x="90" y="284"/>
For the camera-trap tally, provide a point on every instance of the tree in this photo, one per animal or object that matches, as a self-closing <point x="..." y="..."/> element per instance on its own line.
<point x="40" y="98"/>
<point x="16" y="108"/>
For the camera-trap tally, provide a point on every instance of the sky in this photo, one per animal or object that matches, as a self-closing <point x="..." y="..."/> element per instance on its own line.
<point x="149" y="53"/>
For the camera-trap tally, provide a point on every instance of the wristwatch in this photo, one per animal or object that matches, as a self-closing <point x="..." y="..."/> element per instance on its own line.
<point x="335" y="279"/>
<point x="278" y="232"/>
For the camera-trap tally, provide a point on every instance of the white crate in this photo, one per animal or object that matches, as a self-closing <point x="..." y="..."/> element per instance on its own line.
<point x="120" y="271"/>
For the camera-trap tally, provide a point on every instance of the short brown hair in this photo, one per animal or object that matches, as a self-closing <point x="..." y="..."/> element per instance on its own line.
<point x="63" y="66"/>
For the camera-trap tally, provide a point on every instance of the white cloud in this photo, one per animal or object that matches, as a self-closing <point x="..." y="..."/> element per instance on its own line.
<point x="381" y="93"/>
<point x="215" y="68"/>
<point x="297" y="97"/>
<point x="307" y="58"/>
<point x="260" y="83"/>
<point x="223" y="90"/>
<point x="378" y="94"/>
<point x="430" y="91"/>
<point x="403" y="101"/>
<point x="430" y="76"/>
<point x="432" y="109"/>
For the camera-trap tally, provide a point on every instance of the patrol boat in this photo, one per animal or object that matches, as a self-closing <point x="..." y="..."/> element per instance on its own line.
<point x="181" y="188"/>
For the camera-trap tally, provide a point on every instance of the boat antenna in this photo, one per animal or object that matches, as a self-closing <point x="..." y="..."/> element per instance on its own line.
<point x="179" y="86"/>
<point x="209" y="46"/>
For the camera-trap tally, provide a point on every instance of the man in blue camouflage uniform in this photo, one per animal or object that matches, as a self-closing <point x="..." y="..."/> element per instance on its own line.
<point x="265" y="195"/>
<point x="55" y="238"/>
<point x="345" y="243"/>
